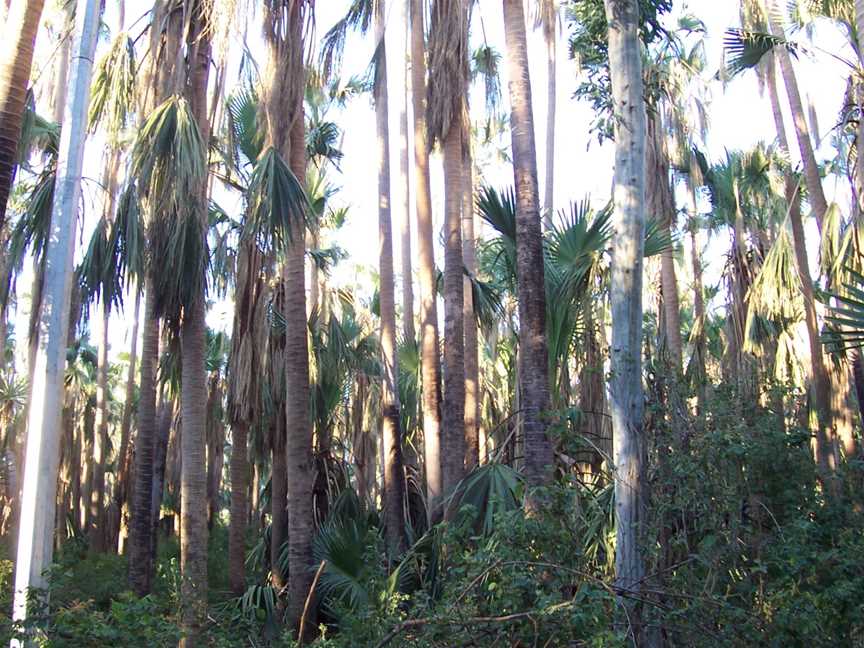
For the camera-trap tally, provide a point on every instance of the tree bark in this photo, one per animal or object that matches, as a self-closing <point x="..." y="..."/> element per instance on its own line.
<point x="429" y="349"/>
<point x="239" y="509"/>
<point x="19" y="35"/>
<point x="626" y="401"/>
<point x="469" y="257"/>
<point x="391" y="436"/>
<point x="551" y="100"/>
<point x="401" y="90"/>
<point x="38" y="504"/>
<point x="534" y="367"/>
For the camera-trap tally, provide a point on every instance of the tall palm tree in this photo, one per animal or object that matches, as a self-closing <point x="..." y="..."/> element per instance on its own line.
<point x="534" y="366"/>
<point x="285" y="140"/>
<point x="391" y="433"/>
<point x="626" y="402"/>
<point x="429" y="355"/>
<point x="469" y="256"/>
<point x="547" y="21"/>
<point x="403" y="57"/>
<point x="21" y="22"/>
<point x="36" y="530"/>
<point x="448" y="70"/>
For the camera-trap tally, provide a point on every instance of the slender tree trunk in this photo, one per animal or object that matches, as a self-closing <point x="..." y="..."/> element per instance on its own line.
<point x="661" y="204"/>
<point x="391" y="433"/>
<point x="534" y="366"/>
<point x="815" y="193"/>
<point x="699" y="349"/>
<point x="193" y="397"/>
<point x="429" y="349"/>
<point x="278" y="502"/>
<point x="239" y="508"/>
<point x="19" y="36"/>
<point x="215" y="448"/>
<point x="162" y="438"/>
<point x="36" y="529"/>
<point x="626" y="402"/>
<point x="819" y="376"/>
<point x="469" y="256"/>
<point x="551" y="100"/>
<point x="100" y="439"/>
<point x="400" y="89"/>
<point x="121" y="485"/>
<point x="140" y="561"/>
<point x="299" y="442"/>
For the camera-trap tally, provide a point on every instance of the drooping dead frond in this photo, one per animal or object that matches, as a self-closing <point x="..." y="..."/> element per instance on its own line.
<point x="113" y="94"/>
<point x="448" y="66"/>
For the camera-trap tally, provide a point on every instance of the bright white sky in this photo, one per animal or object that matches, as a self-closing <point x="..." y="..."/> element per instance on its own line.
<point x="739" y="118"/>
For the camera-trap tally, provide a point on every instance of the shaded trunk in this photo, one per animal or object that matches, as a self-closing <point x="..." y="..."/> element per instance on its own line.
<point x="278" y="502"/>
<point x="299" y="442"/>
<point x="97" y="530"/>
<point x="215" y="449"/>
<point x="193" y="396"/>
<point x="391" y="436"/>
<point x="38" y="504"/>
<point x="628" y="221"/>
<point x="239" y="508"/>
<point x="19" y="36"/>
<point x="140" y="560"/>
<point x="661" y="204"/>
<point x="121" y="485"/>
<point x="429" y="349"/>
<point x="162" y="437"/>
<point x="534" y="367"/>
<point x="698" y="335"/>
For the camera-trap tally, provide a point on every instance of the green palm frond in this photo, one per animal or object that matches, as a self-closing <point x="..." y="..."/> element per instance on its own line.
<point x="358" y="17"/>
<point x="37" y="133"/>
<point x="845" y="318"/>
<point x="575" y="245"/>
<point x="168" y="162"/>
<point x="485" y="63"/>
<point x="657" y="239"/>
<point x="743" y="49"/>
<point x="278" y="204"/>
<point x="113" y="89"/>
<point x="245" y="132"/>
<point x="489" y="490"/>
<point x="322" y="139"/>
<point x="96" y="274"/>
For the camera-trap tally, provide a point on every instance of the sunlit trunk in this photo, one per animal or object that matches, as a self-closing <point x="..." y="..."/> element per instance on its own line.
<point x="469" y="257"/>
<point x="429" y="350"/>
<point x="551" y="100"/>
<point x="391" y="433"/>
<point x="36" y="529"/>
<point x="628" y="221"/>
<point x="20" y="25"/>
<point x="400" y="92"/>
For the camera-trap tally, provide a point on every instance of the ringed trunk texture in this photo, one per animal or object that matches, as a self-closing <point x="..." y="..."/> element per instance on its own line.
<point x="38" y="503"/>
<point x="429" y="350"/>
<point x="299" y="442"/>
<point x="401" y="89"/>
<point x="626" y="401"/>
<point x="534" y="367"/>
<point x="469" y="256"/>
<point x="19" y="36"/>
<point x="551" y="100"/>
<point x="239" y="509"/>
<point x="391" y="433"/>
<point x="141" y="521"/>
<point x="193" y="398"/>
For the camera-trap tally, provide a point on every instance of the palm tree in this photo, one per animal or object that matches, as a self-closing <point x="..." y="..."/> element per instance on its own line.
<point x="448" y="70"/>
<point x="21" y="22"/>
<point x="547" y="21"/>
<point x="429" y="355"/>
<point x="469" y="256"/>
<point x="533" y="367"/>
<point x="391" y="433"/>
<point x="36" y="532"/>
<point x="626" y="402"/>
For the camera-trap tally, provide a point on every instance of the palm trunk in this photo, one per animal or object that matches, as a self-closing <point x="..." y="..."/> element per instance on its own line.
<point x="162" y="439"/>
<point x="454" y="329"/>
<point x="121" y="486"/>
<point x="278" y="501"/>
<point x="469" y="256"/>
<point x="551" y="99"/>
<point x="36" y="529"/>
<point x="699" y="349"/>
<point x="822" y="446"/>
<point x="391" y="434"/>
<point x="815" y="193"/>
<point x="429" y="350"/>
<point x="215" y="448"/>
<point x="534" y="367"/>
<point x="662" y="206"/>
<point x="100" y="439"/>
<point x="193" y="397"/>
<point x="401" y="91"/>
<point x="239" y="508"/>
<point x="626" y="401"/>
<point x="19" y="36"/>
<point x="141" y="522"/>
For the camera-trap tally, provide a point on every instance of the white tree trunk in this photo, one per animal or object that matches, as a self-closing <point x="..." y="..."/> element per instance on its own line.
<point x="35" y="539"/>
<point x="626" y="404"/>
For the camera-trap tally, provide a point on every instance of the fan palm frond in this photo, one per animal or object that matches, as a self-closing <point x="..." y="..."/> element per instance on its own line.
<point x="113" y="91"/>
<point x="743" y="49"/>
